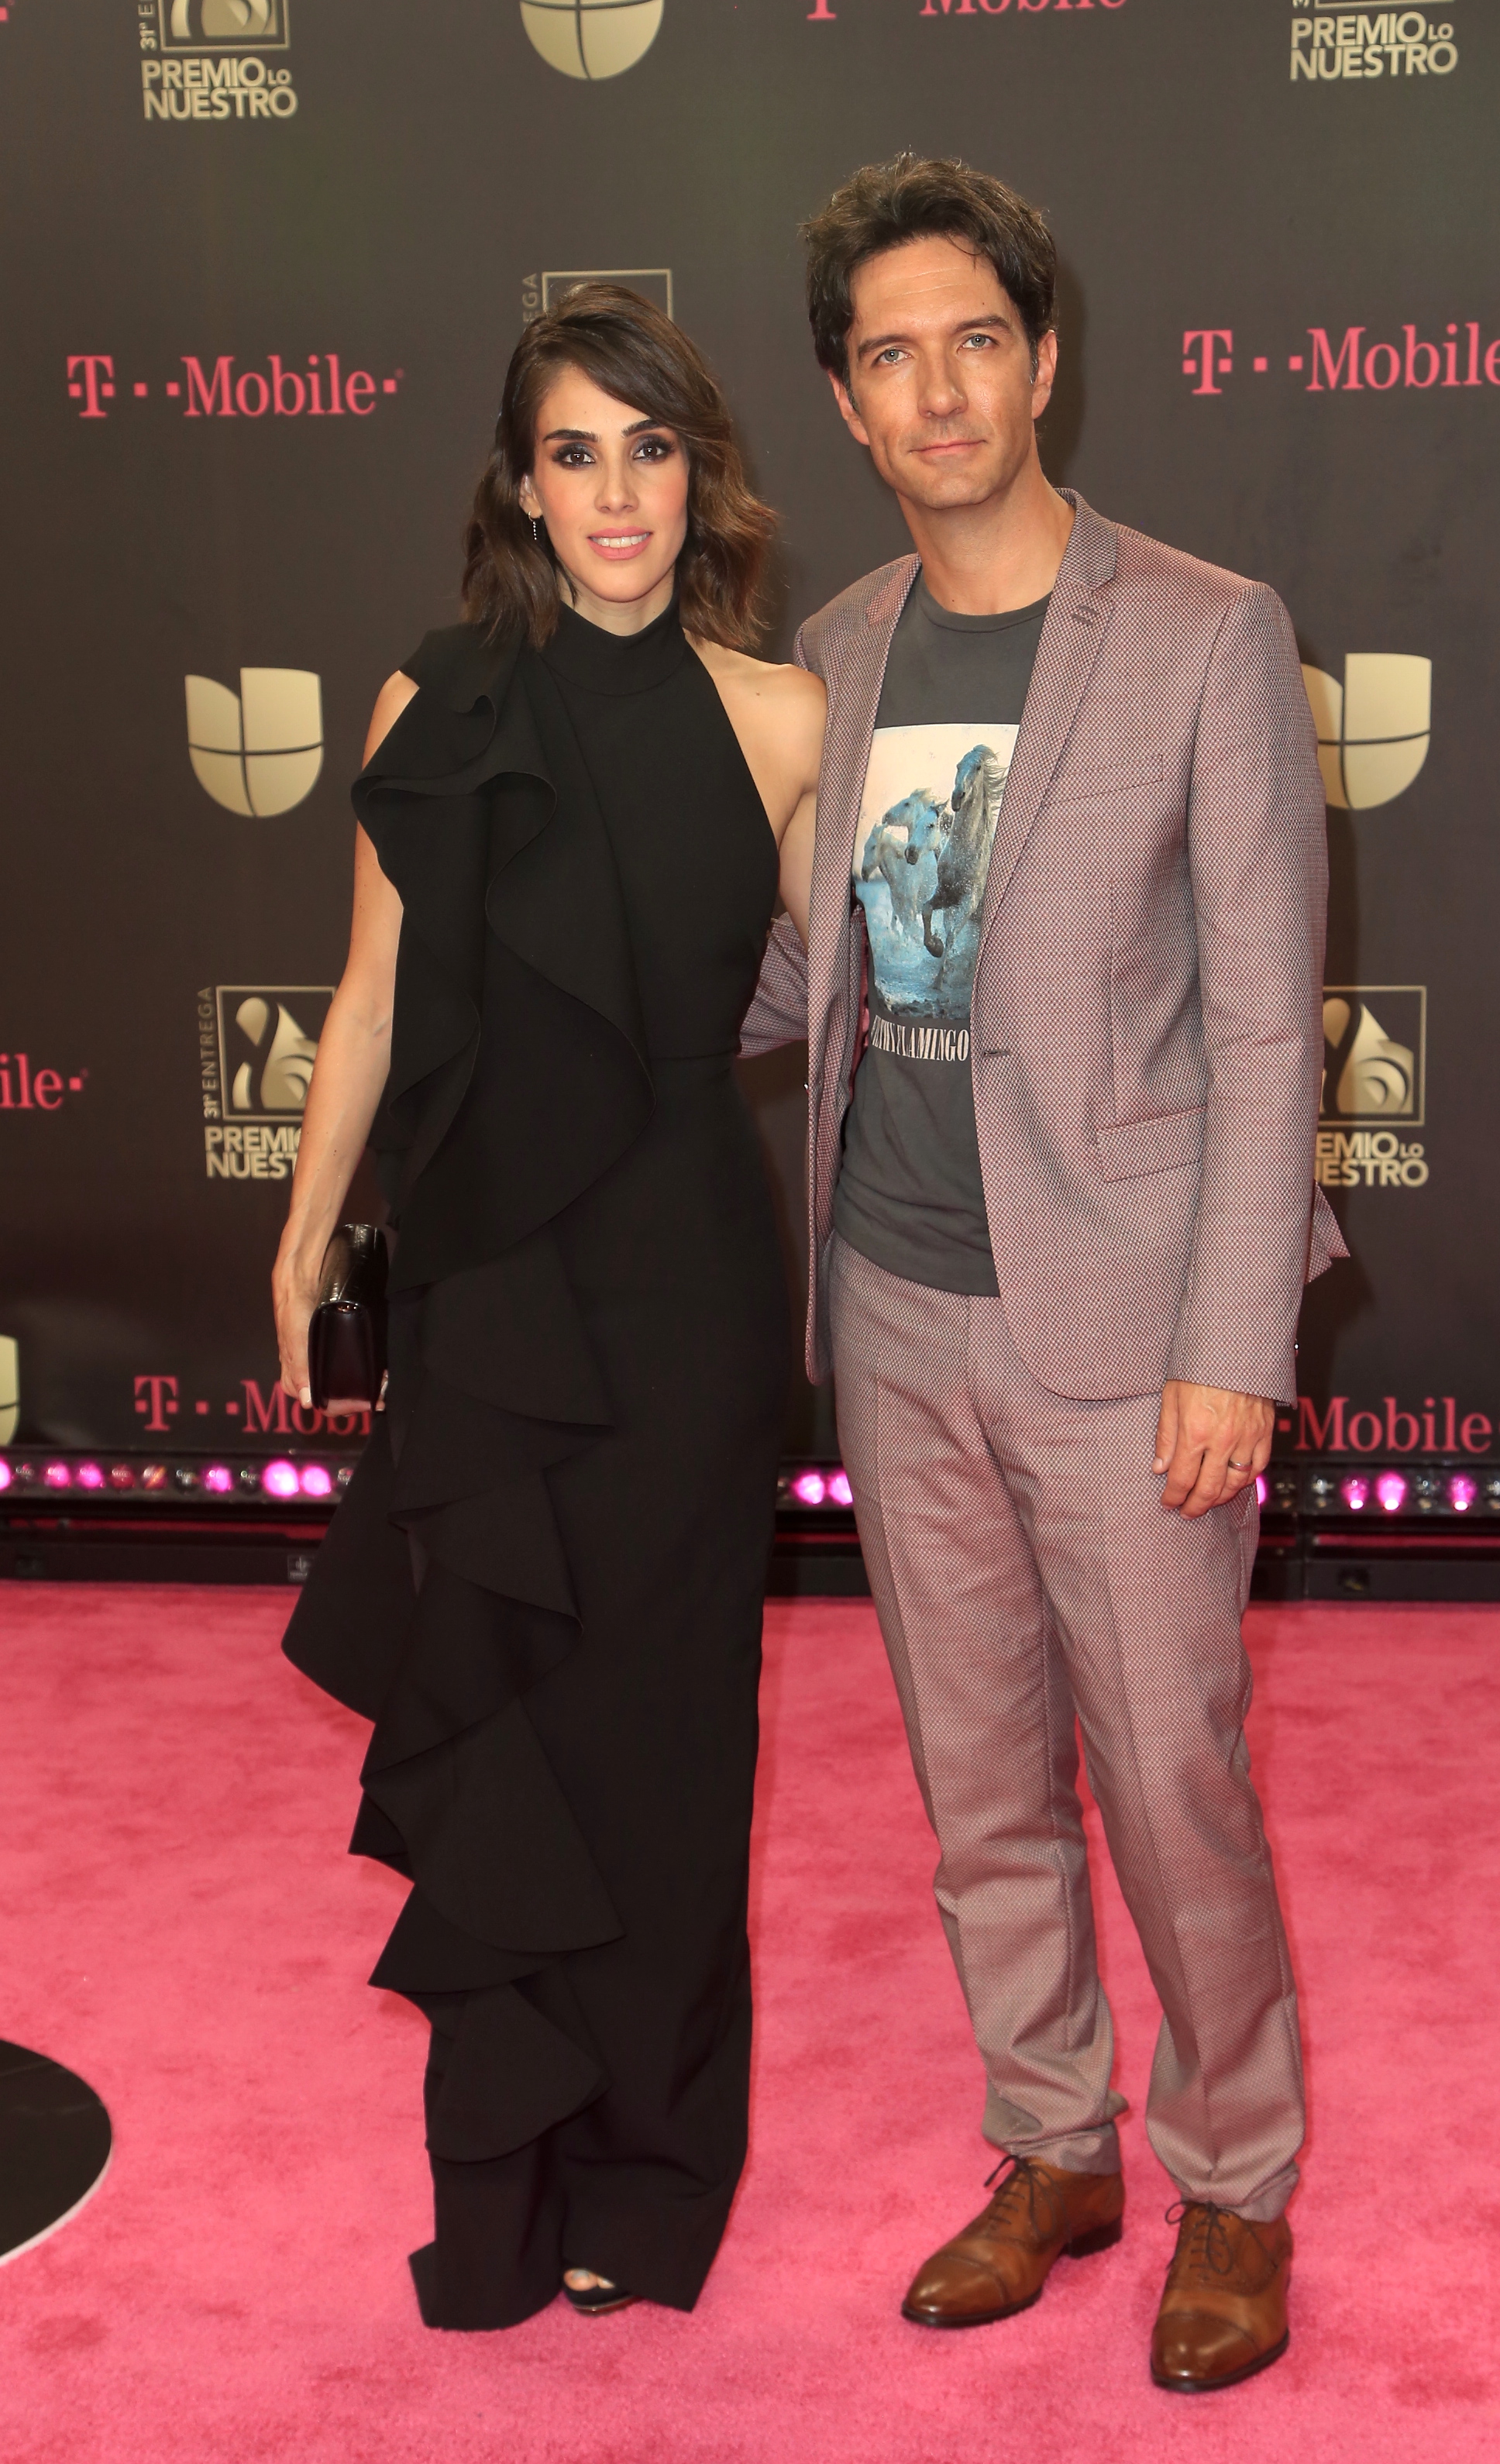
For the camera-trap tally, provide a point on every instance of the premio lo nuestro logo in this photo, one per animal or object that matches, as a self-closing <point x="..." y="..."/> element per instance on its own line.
<point x="256" y="1046"/>
<point x="222" y="25"/>
<point x="1375" y="1044"/>
<point x="1371" y="1072"/>
<point x="1335" y="45"/>
<point x="207" y="59"/>
<point x="539" y="292"/>
<point x="1374" y="728"/>
<point x="259" y="751"/>
<point x="277" y="1069"/>
<point x="592" y="39"/>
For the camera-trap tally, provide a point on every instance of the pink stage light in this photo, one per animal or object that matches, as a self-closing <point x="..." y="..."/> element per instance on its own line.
<point x="219" y="1478"/>
<point x="810" y="1488"/>
<point x="840" y="1490"/>
<point x="89" y="1476"/>
<point x="1261" y="1489"/>
<point x="279" y="1479"/>
<point x="120" y="1476"/>
<point x="1356" y="1493"/>
<point x="1391" y="1490"/>
<point x="5" y="1475"/>
<point x="1462" y="1492"/>
<point x="316" y="1481"/>
<point x="57" y="1476"/>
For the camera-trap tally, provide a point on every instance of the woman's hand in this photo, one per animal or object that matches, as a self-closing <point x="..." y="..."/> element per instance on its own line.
<point x="294" y="1293"/>
<point x="348" y="1074"/>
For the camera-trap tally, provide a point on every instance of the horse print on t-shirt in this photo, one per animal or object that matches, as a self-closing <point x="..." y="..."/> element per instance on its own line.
<point x="921" y="860"/>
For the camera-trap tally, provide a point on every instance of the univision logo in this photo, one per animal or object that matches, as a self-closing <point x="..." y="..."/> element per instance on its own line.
<point x="591" y="38"/>
<point x="259" y="751"/>
<point x="1374" y="728"/>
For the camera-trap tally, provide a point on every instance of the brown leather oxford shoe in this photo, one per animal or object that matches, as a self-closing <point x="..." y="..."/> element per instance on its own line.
<point x="998" y="2264"/>
<point x="1223" y="2311"/>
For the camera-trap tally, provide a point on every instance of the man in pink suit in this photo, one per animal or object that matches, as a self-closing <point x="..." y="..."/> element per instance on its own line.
<point x="1063" y="999"/>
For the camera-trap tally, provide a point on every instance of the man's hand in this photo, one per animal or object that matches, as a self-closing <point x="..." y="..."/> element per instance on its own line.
<point x="1210" y="1443"/>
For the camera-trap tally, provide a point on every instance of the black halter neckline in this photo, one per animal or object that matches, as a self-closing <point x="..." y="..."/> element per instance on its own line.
<point x="616" y="663"/>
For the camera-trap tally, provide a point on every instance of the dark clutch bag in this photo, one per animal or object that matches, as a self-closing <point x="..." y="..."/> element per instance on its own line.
<point x="346" y="1338"/>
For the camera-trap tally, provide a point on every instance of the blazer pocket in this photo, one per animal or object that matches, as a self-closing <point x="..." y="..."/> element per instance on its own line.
<point x="1167" y="1142"/>
<point x="1082" y="784"/>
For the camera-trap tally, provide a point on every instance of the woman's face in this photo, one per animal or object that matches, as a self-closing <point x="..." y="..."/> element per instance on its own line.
<point x="611" y="486"/>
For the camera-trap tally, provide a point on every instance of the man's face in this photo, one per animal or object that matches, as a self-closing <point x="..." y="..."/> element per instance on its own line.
<point x="940" y="386"/>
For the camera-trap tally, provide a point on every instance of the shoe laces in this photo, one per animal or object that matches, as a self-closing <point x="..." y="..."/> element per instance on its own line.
<point x="1023" y="2189"/>
<point x="1207" y="2243"/>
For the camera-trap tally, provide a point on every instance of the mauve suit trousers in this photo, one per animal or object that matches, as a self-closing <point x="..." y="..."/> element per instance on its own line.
<point x="1025" y="1576"/>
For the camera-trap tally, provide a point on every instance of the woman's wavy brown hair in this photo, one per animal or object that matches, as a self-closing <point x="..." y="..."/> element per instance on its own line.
<point x="638" y="355"/>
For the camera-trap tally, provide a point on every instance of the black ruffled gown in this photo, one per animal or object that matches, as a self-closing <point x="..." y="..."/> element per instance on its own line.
<point x="545" y="1585"/>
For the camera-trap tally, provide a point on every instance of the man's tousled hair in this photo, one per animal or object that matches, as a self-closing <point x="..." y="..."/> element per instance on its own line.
<point x="885" y="205"/>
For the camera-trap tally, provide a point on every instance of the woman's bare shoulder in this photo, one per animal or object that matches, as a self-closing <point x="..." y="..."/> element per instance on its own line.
<point x="791" y="689"/>
<point x="389" y="703"/>
<point x="778" y="714"/>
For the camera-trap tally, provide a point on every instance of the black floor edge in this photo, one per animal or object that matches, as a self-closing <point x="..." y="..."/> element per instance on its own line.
<point x="56" y="2141"/>
<point x="821" y="1565"/>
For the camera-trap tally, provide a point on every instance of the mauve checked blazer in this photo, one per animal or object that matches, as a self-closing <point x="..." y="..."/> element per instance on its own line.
<point x="1147" y="1039"/>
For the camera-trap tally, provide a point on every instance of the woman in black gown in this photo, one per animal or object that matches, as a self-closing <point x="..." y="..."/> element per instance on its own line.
<point x="545" y="1586"/>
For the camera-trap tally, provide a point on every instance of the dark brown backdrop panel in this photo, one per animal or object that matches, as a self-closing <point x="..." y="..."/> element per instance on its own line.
<point x="299" y="249"/>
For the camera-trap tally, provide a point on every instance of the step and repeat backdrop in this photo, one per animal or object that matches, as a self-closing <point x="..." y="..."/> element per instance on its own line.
<point x="264" y="262"/>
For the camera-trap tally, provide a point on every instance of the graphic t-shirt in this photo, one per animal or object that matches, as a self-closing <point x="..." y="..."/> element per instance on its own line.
<point x="910" y="1194"/>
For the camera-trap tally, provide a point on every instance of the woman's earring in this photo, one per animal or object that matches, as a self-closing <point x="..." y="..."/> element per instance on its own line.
<point x="536" y="531"/>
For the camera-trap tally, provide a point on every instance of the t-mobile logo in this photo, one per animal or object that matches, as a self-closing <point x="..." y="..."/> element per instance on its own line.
<point x="321" y="389"/>
<point x="1461" y="362"/>
<point x="24" y="1088"/>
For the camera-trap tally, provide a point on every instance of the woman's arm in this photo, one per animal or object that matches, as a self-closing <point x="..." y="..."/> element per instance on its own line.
<point x="797" y="845"/>
<point x="778" y="714"/>
<point x="348" y="1076"/>
<point x="802" y="705"/>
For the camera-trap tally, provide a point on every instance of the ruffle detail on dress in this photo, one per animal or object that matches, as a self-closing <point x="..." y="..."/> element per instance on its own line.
<point x="511" y="917"/>
<point x="547" y="2076"/>
<point x="507" y="2018"/>
<point x="459" y="1793"/>
<point x="511" y="914"/>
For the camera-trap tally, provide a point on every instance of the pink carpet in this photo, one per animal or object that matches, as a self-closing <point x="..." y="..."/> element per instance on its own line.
<point x="180" y="1923"/>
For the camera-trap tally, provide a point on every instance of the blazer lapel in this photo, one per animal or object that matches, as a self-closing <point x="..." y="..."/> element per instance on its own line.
<point x="1071" y="635"/>
<point x="856" y="672"/>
